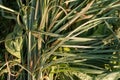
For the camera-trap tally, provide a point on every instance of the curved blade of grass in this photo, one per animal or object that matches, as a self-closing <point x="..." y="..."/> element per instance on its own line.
<point x="64" y="19"/>
<point x="82" y="12"/>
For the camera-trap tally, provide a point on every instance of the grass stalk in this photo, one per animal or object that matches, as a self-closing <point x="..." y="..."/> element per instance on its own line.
<point x="29" y="54"/>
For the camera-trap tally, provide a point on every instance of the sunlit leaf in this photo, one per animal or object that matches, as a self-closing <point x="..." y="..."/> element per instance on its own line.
<point x="13" y="42"/>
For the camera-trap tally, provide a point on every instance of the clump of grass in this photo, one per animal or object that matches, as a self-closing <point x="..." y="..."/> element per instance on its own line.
<point x="60" y="39"/>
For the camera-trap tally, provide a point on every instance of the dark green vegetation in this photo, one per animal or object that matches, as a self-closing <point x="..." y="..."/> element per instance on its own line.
<point x="59" y="39"/>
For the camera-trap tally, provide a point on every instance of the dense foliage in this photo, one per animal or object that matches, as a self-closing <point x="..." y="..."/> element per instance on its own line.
<point x="59" y="39"/>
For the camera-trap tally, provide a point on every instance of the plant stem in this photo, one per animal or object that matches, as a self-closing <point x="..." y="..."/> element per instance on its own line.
<point x="29" y="53"/>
